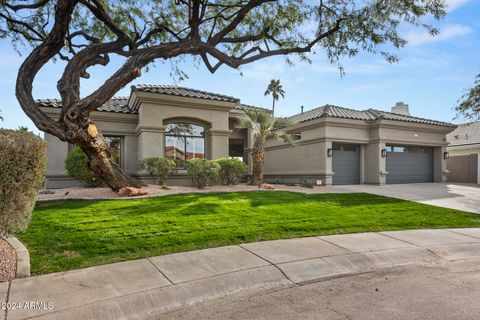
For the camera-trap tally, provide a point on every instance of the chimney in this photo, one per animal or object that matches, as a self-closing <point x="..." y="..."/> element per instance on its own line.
<point x="301" y="108"/>
<point x="401" y="108"/>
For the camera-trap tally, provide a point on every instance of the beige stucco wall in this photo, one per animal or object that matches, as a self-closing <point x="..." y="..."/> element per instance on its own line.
<point x="463" y="150"/>
<point x="308" y="156"/>
<point x="156" y="111"/>
<point x="143" y="133"/>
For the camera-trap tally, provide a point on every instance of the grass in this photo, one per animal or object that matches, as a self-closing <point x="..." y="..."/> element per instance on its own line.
<point x="66" y="235"/>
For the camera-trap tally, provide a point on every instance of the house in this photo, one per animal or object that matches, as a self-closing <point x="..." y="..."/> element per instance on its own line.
<point x="334" y="145"/>
<point x="464" y="150"/>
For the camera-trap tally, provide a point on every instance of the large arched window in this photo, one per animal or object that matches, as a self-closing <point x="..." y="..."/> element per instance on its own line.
<point x="184" y="141"/>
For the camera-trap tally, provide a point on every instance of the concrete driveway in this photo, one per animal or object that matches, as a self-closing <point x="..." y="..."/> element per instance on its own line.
<point x="456" y="196"/>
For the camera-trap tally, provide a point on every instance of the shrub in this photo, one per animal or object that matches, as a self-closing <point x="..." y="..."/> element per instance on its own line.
<point x="158" y="168"/>
<point x="77" y="167"/>
<point x="230" y="170"/>
<point x="307" y="183"/>
<point x="202" y="170"/>
<point x="22" y="172"/>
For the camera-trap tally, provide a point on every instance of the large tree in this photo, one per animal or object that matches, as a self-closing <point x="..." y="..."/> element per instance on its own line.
<point x="86" y="33"/>
<point x="469" y="104"/>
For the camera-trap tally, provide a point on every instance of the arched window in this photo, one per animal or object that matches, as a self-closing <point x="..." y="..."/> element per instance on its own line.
<point x="184" y="141"/>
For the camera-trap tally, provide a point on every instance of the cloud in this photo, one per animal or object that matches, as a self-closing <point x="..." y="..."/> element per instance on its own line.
<point x="454" y="4"/>
<point x="448" y="32"/>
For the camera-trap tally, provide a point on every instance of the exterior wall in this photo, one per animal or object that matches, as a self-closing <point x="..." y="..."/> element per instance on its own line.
<point x="463" y="150"/>
<point x="143" y="134"/>
<point x="374" y="169"/>
<point x="464" y="168"/>
<point x="307" y="158"/>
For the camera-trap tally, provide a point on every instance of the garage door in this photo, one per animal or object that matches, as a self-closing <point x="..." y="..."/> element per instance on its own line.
<point x="409" y="164"/>
<point x="346" y="164"/>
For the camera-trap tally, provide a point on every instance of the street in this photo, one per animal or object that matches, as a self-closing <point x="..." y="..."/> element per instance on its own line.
<point x="446" y="291"/>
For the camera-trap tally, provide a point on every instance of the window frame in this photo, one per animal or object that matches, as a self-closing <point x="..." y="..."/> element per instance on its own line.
<point x="120" y="145"/>
<point x="184" y="138"/>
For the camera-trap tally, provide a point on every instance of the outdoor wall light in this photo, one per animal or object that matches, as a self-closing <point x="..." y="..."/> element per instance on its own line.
<point x="329" y="152"/>
<point x="446" y="155"/>
<point x="384" y="153"/>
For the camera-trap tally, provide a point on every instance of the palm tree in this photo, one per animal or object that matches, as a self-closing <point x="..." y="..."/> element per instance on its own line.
<point x="276" y="90"/>
<point x="263" y="125"/>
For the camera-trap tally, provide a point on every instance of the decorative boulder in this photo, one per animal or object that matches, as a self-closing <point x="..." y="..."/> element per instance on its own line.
<point x="131" y="192"/>
<point x="266" y="186"/>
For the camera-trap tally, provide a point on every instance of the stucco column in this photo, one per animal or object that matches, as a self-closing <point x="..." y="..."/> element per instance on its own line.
<point x="374" y="170"/>
<point x="440" y="170"/>
<point x="151" y="141"/>
<point x="217" y="143"/>
<point x="325" y="163"/>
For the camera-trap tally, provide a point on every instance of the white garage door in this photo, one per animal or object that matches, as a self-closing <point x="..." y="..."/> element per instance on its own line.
<point x="346" y="164"/>
<point x="409" y="164"/>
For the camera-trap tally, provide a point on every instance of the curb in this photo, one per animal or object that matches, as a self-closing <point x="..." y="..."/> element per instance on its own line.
<point x="23" y="257"/>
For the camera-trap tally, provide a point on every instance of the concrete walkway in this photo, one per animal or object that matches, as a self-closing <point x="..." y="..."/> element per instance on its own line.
<point x="146" y="288"/>
<point x="455" y="196"/>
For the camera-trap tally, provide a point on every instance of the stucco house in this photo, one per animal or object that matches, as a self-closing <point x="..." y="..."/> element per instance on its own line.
<point x="464" y="149"/>
<point x="333" y="145"/>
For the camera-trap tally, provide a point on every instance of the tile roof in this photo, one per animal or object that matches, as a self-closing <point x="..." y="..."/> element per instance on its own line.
<point x="367" y="115"/>
<point x="183" y="92"/>
<point x="116" y="104"/>
<point x="241" y="106"/>
<point x="467" y="133"/>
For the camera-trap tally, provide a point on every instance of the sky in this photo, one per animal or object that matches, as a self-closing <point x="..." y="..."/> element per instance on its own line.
<point x="431" y="76"/>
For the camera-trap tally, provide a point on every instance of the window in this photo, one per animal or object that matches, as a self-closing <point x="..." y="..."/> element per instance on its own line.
<point x="184" y="141"/>
<point x="114" y="148"/>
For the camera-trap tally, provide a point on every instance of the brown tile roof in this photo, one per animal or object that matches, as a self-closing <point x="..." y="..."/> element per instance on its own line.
<point x="116" y="104"/>
<point x="464" y="134"/>
<point x="183" y="92"/>
<point x="367" y="115"/>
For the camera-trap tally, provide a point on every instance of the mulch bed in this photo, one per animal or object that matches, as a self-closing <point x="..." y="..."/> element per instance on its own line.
<point x="8" y="261"/>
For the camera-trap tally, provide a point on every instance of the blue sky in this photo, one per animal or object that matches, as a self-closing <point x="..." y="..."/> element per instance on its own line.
<point x="431" y="75"/>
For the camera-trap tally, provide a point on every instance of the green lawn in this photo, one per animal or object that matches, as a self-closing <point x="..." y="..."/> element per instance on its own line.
<point x="67" y="235"/>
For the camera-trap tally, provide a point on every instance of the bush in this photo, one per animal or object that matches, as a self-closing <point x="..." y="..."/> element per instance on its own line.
<point x="230" y="170"/>
<point x="202" y="170"/>
<point x="307" y="183"/>
<point x="22" y="172"/>
<point x="77" y="167"/>
<point x="158" y="168"/>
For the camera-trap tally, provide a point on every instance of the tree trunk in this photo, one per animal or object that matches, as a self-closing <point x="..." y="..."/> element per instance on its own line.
<point x="273" y="108"/>
<point x="92" y="143"/>
<point x="258" y="156"/>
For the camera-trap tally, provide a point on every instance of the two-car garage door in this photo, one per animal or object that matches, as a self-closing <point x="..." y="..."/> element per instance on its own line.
<point x="409" y="164"/>
<point x="404" y="164"/>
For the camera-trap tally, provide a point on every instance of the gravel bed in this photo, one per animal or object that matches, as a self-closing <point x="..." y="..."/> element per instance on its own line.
<point x="155" y="191"/>
<point x="8" y="261"/>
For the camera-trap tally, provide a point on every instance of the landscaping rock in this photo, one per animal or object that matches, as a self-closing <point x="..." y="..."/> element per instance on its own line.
<point x="266" y="186"/>
<point x="131" y="192"/>
<point x="8" y="261"/>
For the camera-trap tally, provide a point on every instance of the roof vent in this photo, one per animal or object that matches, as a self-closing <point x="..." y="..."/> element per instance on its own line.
<point x="401" y="108"/>
<point x="301" y="108"/>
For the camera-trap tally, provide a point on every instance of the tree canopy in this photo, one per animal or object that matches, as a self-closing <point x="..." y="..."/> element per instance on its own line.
<point x="469" y="104"/>
<point x="229" y="32"/>
<point x="86" y="33"/>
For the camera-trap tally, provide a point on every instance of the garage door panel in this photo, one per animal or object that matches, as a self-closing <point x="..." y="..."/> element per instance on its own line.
<point x="346" y="164"/>
<point x="414" y="165"/>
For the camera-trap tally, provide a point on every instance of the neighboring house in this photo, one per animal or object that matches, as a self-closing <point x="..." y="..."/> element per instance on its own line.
<point x="464" y="149"/>
<point x="334" y="145"/>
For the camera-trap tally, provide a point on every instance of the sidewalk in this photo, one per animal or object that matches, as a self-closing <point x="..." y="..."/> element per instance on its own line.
<point x="145" y="288"/>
